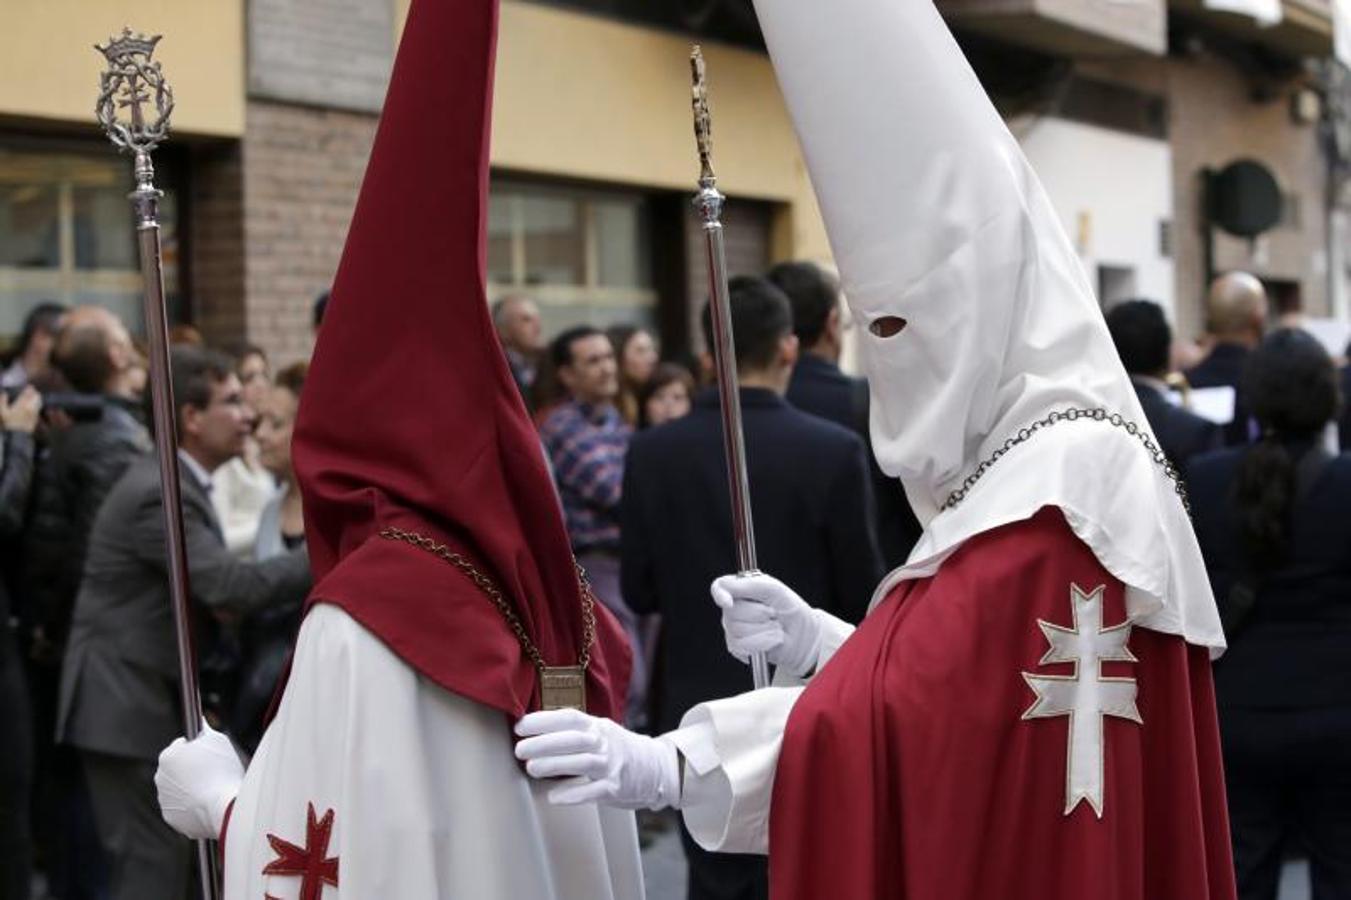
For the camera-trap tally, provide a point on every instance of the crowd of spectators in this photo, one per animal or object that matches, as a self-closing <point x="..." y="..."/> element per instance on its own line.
<point x="634" y="440"/>
<point x="88" y="665"/>
<point x="636" y="448"/>
<point x="1268" y="489"/>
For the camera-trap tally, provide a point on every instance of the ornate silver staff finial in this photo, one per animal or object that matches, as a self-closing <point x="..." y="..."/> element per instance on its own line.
<point x="703" y="121"/>
<point x="709" y="200"/>
<point x="129" y="83"/>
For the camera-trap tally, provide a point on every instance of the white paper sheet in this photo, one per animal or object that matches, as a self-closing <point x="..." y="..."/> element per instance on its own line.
<point x="1215" y="404"/>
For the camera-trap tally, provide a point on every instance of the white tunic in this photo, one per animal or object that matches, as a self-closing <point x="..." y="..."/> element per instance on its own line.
<point x="428" y="800"/>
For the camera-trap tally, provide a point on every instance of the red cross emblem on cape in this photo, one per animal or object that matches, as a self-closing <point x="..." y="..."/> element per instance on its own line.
<point x="311" y="862"/>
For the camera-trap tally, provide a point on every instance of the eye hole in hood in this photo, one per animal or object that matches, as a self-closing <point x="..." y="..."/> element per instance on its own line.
<point x="887" y="326"/>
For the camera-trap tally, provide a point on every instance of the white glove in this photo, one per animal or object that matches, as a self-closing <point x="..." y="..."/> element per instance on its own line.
<point x="761" y="614"/>
<point x="196" y="781"/>
<point x="609" y="764"/>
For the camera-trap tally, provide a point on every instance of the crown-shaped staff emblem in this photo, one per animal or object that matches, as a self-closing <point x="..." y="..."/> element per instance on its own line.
<point x="133" y="81"/>
<point x="128" y="43"/>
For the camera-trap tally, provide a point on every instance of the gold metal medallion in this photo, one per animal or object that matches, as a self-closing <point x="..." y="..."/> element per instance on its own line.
<point x="562" y="687"/>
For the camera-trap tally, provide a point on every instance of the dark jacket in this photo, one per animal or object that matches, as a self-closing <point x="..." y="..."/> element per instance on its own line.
<point x="1344" y="425"/>
<point x="1292" y="649"/>
<point x="1182" y="434"/>
<point x="75" y="473"/>
<point x="16" y="478"/>
<point x="811" y="504"/>
<point x="1223" y="367"/>
<point x="820" y="388"/>
<point x="119" y="679"/>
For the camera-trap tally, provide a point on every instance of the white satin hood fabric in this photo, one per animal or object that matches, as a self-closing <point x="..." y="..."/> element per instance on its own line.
<point x="935" y="216"/>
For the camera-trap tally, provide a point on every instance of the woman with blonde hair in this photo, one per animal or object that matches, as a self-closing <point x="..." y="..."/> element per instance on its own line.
<point x="267" y="633"/>
<point x="636" y="353"/>
<point x="243" y="486"/>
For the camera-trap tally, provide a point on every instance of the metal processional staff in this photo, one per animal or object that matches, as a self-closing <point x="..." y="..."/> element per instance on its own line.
<point x="132" y="82"/>
<point x="709" y="204"/>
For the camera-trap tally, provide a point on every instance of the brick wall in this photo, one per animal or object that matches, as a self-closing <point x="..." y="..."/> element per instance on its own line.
<point x="271" y="215"/>
<point x="1214" y="122"/>
<point x="1214" y="119"/>
<point x="216" y="212"/>
<point x="302" y="170"/>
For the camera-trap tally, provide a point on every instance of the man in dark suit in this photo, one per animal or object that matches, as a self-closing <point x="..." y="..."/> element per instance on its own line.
<point x="119" y="695"/>
<point x="812" y="507"/>
<point x="1344" y="423"/>
<point x="1236" y="317"/>
<point x="819" y="387"/>
<point x="76" y="465"/>
<point x="18" y="421"/>
<point x="1143" y="340"/>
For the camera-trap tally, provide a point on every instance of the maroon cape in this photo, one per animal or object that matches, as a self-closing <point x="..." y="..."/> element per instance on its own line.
<point x="908" y="773"/>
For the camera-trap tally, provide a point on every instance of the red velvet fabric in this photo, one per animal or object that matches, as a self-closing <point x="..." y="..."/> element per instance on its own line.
<point x="907" y="771"/>
<point x="410" y="416"/>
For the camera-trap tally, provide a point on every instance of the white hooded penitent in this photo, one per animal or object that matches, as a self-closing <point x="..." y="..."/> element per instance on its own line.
<point x="936" y="218"/>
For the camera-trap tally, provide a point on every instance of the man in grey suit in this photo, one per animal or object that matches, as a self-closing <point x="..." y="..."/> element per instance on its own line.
<point x="119" y="697"/>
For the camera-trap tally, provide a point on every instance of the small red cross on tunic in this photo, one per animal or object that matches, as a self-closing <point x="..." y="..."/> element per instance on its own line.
<point x="309" y="862"/>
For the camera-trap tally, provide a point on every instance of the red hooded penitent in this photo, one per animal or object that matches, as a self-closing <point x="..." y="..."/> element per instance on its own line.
<point x="410" y="417"/>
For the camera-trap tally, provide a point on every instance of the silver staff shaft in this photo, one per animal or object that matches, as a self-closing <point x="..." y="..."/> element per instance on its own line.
<point x="709" y="203"/>
<point x="145" y="198"/>
<point x="129" y="82"/>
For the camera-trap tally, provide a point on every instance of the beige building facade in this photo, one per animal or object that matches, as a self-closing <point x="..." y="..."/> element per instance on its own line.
<point x="592" y="153"/>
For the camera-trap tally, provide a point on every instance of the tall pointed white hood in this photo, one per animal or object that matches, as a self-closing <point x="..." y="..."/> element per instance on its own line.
<point x="935" y="217"/>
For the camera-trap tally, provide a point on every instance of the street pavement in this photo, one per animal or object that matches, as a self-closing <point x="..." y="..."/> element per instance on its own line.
<point x="1295" y="881"/>
<point x="664" y="865"/>
<point x="664" y="872"/>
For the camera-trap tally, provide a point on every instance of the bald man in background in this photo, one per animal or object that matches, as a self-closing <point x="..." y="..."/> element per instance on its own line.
<point x="1236" y="316"/>
<point x="522" y="334"/>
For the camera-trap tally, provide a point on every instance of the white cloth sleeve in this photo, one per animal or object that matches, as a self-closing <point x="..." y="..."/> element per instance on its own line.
<point x="834" y="632"/>
<point x="731" y="751"/>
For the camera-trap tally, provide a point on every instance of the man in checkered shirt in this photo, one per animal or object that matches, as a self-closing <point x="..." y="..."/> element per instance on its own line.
<point x="586" y="440"/>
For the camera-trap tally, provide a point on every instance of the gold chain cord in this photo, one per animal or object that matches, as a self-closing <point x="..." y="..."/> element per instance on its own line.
<point x="490" y="590"/>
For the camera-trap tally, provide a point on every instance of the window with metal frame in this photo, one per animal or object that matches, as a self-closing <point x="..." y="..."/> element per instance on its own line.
<point x="582" y="254"/>
<point x="67" y="234"/>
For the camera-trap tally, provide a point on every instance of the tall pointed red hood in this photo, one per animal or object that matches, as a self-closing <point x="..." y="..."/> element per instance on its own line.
<point x="410" y="417"/>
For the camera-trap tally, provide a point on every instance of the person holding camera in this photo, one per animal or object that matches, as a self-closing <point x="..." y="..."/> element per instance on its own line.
<point x="87" y="437"/>
<point x="19" y="419"/>
<point x="94" y="354"/>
